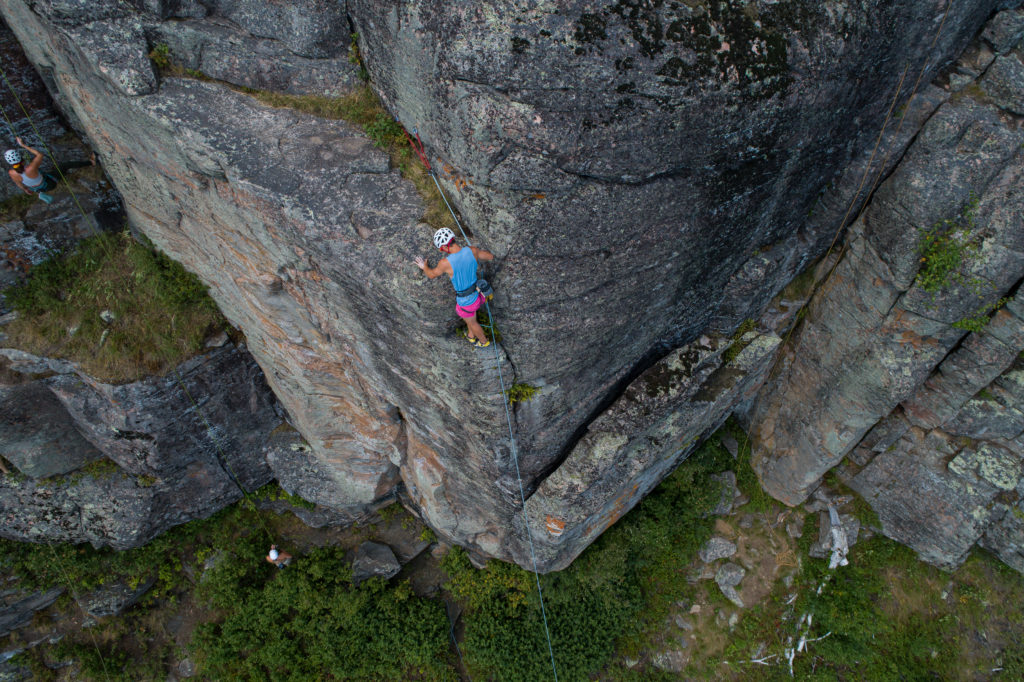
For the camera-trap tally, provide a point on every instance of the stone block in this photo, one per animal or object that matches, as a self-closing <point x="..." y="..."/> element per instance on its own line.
<point x="716" y="548"/>
<point x="374" y="560"/>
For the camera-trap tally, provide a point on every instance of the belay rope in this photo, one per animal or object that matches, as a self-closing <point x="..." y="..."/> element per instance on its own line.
<point x="417" y="146"/>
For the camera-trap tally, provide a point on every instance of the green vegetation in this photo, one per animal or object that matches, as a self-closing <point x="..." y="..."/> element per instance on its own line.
<point x="945" y="248"/>
<point x="985" y="394"/>
<point x="520" y="393"/>
<point x="891" y="617"/>
<point x="364" y="109"/>
<point x="980" y="319"/>
<point x="746" y="478"/>
<point x="614" y="597"/>
<point x="355" y="58"/>
<point x="161" y="56"/>
<point x="274" y="492"/>
<point x="361" y="107"/>
<point x="15" y="206"/>
<point x="738" y="343"/>
<point x="309" y="622"/>
<point x="157" y="313"/>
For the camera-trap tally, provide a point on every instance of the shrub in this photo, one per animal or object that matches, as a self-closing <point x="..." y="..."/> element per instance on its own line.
<point x="615" y="596"/>
<point x="161" y="56"/>
<point x="521" y="393"/>
<point x="945" y="248"/>
<point x="310" y="622"/>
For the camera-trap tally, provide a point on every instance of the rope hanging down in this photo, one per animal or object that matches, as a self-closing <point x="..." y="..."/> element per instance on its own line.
<point x="42" y="141"/>
<point x="417" y="147"/>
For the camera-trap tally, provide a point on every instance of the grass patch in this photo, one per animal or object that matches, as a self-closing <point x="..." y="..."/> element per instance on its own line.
<point x="945" y="248"/>
<point x="364" y="109"/>
<point x="613" y="599"/>
<point x="738" y="343"/>
<point x="746" y="478"/>
<point x="15" y="207"/>
<point x="161" y="313"/>
<point x="891" y="617"/>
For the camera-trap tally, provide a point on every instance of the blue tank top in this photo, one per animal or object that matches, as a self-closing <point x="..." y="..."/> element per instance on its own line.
<point x="464" y="274"/>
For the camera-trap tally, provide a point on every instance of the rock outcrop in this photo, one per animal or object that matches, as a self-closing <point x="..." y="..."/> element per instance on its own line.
<point x="908" y="370"/>
<point x="642" y="172"/>
<point x="116" y="465"/>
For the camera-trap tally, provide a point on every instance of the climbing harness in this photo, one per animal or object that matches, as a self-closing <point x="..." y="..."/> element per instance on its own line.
<point x="481" y="286"/>
<point x="49" y="152"/>
<point x="418" y="148"/>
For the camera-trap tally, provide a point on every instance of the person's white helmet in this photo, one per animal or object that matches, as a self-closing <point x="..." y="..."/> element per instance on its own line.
<point x="12" y="156"/>
<point x="274" y="554"/>
<point x="443" y="237"/>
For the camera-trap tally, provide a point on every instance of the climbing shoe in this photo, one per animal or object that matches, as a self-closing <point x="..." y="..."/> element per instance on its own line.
<point x="45" y="197"/>
<point x="483" y="344"/>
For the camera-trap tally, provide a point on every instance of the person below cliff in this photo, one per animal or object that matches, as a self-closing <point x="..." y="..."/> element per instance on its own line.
<point x="28" y="177"/>
<point x="278" y="558"/>
<point x="460" y="264"/>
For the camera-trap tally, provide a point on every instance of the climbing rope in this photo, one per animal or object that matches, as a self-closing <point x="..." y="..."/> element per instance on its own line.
<point x="71" y="591"/>
<point x="42" y="140"/>
<point x="418" y="148"/>
<point x="220" y="456"/>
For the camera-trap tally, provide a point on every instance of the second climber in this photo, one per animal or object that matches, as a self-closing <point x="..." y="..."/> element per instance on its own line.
<point x="28" y="177"/>
<point x="460" y="263"/>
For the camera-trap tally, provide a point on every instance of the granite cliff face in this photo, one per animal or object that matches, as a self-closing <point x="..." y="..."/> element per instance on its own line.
<point x="917" y="385"/>
<point x="643" y="173"/>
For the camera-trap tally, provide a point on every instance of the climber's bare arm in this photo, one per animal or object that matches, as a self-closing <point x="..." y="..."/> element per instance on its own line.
<point x="443" y="267"/>
<point x="16" y="177"/>
<point x="37" y="158"/>
<point x="481" y="254"/>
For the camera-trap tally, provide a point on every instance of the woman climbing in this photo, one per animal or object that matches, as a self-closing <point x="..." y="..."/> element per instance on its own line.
<point x="460" y="264"/>
<point x="28" y="178"/>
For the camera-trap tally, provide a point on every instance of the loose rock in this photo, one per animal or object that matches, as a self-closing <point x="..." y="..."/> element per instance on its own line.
<point x="716" y="548"/>
<point x="374" y="560"/>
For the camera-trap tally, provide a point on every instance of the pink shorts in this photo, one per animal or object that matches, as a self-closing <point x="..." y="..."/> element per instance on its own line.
<point x="469" y="311"/>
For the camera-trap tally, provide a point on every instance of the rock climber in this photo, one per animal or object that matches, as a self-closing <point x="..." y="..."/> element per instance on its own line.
<point x="28" y="177"/>
<point x="460" y="264"/>
<point x="278" y="558"/>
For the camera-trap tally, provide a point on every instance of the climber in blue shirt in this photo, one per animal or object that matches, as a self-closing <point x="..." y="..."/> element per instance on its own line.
<point x="460" y="264"/>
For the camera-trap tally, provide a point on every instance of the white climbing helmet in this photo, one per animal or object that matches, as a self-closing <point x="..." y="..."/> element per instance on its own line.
<point x="12" y="156"/>
<point x="443" y="237"/>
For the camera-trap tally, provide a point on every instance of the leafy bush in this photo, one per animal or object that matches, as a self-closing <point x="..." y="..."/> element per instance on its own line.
<point x="161" y="56"/>
<point x="385" y="131"/>
<point x="945" y="248"/>
<point x="161" y="312"/>
<point x="615" y="596"/>
<point x="310" y="622"/>
<point x="521" y="393"/>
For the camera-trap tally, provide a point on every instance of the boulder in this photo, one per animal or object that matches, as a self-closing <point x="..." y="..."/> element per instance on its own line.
<point x="18" y="610"/>
<point x="112" y="600"/>
<point x="716" y="548"/>
<point x="374" y="560"/>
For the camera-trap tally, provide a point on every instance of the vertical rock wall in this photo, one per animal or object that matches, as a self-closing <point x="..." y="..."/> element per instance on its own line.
<point x="642" y="172"/>
<point x="888" y="373"/>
